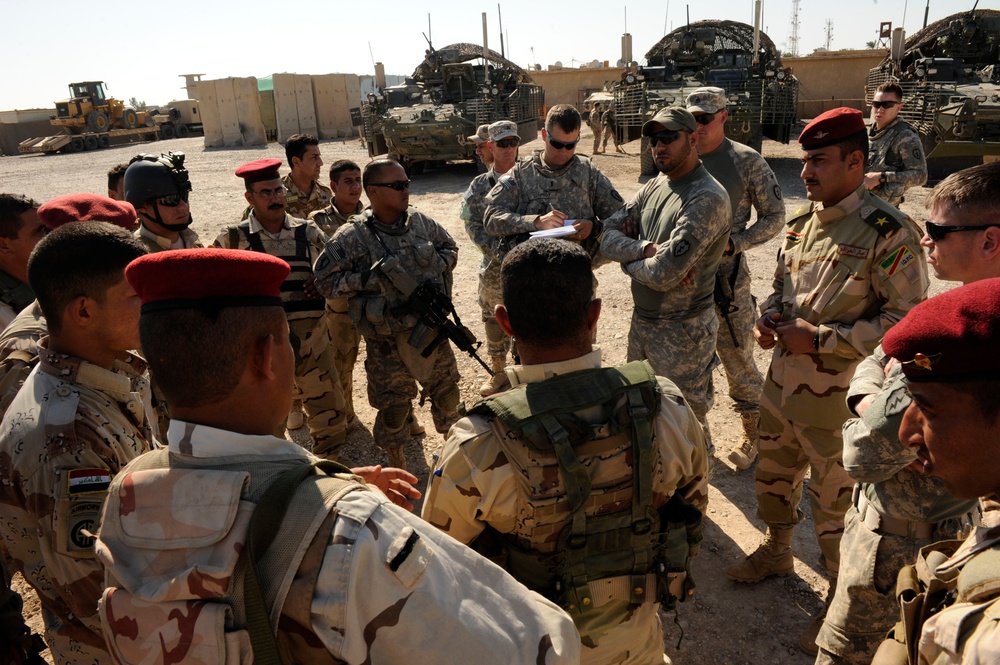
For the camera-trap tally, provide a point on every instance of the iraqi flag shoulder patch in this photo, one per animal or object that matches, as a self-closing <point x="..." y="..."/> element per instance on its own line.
<point x="88" y="481"/>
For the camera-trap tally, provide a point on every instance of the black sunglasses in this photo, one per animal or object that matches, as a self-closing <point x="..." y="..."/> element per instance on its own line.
<point x="562" y="145"/>
<point x="705" y="118"/>
<point x="172" y="200"/>
<point x="883" y="105"/>
<point x="399" y="185"/>
<point x="667" y="137"/>
<point x="510" y="143"/>
<point x="937" y="232"/>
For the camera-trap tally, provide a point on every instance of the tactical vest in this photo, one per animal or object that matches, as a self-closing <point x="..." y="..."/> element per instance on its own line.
<point x="588" y="532"/>
<point x="293" y="297"/>
<point x="15" y="293"/>
<point x="207" y="583"/>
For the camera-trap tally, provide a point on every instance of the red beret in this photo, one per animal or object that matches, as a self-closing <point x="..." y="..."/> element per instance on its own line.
<point x="832" y="127"/>
<point x="950" y="337"/>
<point x="260" y="170"/>
<point x="212" y="278"/>
<point x="86" y="207"/>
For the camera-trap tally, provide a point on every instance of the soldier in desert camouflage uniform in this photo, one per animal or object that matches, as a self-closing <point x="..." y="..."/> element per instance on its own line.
<point x="306" y="194"/>
<point x="360" y="580"/>
<point x="553" y="186"/>
<point x="896" y="160"/>
<point x="77" y="420"/>
<point x="849" y="269"/>
<point x="751" y="185"/>
<point x="503" y="144"/>
<point x="159" y="187"/>
<point x="397" y="238"/>
<point x="609" y="125"/>
<point x="480" y="486"/>
<point x="594" y="120"/>
<point x="271" y="230"/>
<point x="676" y="225"/>
<point x="897" y="510"/>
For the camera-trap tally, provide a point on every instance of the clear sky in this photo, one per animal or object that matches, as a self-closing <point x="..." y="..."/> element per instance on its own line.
<point x="139" y="49"/>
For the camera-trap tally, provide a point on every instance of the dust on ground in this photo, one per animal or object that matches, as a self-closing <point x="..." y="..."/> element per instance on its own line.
<point x="725" y="622"/>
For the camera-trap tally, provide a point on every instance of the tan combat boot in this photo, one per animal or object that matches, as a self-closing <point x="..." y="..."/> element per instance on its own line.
<point x="773" y="557"/>
<point x="744" y="455"/>
<point x="498" y="381"/>
<point x="807" y="642"/>
<point x="296" y="418"/>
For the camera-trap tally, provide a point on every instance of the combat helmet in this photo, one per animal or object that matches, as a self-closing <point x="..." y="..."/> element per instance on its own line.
<point x="152" y="177"/>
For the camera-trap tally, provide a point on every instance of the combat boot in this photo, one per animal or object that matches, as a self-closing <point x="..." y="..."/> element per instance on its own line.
<point x="807" y="642"/>
<point x="498" y="382"/>
<point x="744" y="455"/>
<point x="773" y="557"/>
<point x="296" y="419"/>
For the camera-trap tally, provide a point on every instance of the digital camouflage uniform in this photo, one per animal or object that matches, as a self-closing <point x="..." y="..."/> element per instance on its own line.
<point x="531" y="189"/>
<point x="427" y="253"/>
<point x="19" y="351"/>
<point x="315" y="371"/>
<point x="343" y="335"/>
<point x="299" y="204"/>
<point x="853" y="269"/>
<point x="69" y="430"/>
<point x="897" y="151"/>
<point x="370" y="582"/>
<point x="674" y="325"/>
<point x="474" y="488"/>
<point x="595" y="125"/>
<point x="751" y="185"/>
<point x="609" y="125"/>
<point x="157" y="243"/>
<point x="896" y="512"/>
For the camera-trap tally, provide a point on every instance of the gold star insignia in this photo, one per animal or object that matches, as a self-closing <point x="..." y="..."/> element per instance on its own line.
<point x="881" y="220"/>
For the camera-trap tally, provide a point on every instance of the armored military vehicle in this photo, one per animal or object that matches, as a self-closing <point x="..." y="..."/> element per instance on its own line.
<point x="763" y="96"/>
<point x="453" y="91"/>
<point x="950" y="76"/>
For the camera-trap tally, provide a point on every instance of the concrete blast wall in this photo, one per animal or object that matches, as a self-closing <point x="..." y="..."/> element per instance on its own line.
<point x="230" y="112"/>
<point x="294" y="107"/>
<point x="335" y="95"/>
<point x="833" y="79"/>
<point x="571" y="86"/>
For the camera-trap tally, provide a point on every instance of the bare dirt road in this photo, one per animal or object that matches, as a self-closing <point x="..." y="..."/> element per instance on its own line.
<point x="724" y="622"/>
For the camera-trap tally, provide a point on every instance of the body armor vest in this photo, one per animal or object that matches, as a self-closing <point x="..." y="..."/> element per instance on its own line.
<point x="293" y="296"/>
<point x="588" y="531"/>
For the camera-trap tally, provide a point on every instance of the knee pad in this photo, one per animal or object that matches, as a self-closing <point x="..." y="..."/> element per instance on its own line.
<point x="447" y="400"/>
<point x="395" y="416"/>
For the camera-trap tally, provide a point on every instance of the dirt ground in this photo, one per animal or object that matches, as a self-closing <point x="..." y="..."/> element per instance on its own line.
<point x="725" y="622"/>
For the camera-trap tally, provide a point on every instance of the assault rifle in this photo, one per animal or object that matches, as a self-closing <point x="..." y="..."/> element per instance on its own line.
<point x="723" y="297"/>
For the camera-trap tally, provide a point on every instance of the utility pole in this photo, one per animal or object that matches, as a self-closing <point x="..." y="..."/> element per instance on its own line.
<point x="829" y="33"/>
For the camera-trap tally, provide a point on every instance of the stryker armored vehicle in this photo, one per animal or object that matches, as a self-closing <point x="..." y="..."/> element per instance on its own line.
<point x="454" y="90"/>
<point x="763" y="96"/>
<point x="950" y="76"/>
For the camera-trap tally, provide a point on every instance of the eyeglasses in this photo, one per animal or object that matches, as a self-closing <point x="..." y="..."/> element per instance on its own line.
<point x="884" y="105"/>
<point x="705" y="118"/>
<point x="511" y="143"/>
<point x="271" y="193"/>
<point x="172" y="200"/>
<point x="562" y="145"/>
<point x="937" y="232"/>
<point x="399" y="185"/>
<point x="666" y="137"/>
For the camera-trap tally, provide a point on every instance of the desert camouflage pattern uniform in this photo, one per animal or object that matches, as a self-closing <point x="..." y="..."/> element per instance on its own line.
<point x="896" y="512"/>
<point x="374" y="584"/>
<point x="68" y="431"/>
<point x="473" y="212"/>
<point x="609" y="125"/>
<point x="897" y="151"/>
<point x="531" y="189"/>
<point x="19" y="351"/>
<point x="674" y="325"/>
<point x="474" y="487"/>
<point x="300" y="204"/>
<point x="751" y="185"/>
<point x="157" y="243"/>
<point x="426" y="252"/>
<point x="854" y="270"/>
<point x="343" y="335"/>
<point x="594" y="120"/>
<point x="315" y="373"/>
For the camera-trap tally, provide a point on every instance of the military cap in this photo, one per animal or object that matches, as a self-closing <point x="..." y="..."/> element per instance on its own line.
<point x="951" y="337"/>
<point x="207" y="279"/>
<point x="706" y="100"/>
<point x="502" y="129"/>
<point x="482" y="134"/>
<point x="832" y="127"/>
<point x="85" y="207"/>
<point x="260" y="170"/>
<point x="671" y="117"/>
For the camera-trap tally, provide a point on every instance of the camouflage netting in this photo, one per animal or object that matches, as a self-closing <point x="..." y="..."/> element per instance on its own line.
<point x="462" y="52"/>
<point x="729" y="35"/>
<point x="923" y="43"/>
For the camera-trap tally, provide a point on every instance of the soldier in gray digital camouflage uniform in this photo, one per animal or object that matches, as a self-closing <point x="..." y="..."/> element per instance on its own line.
<point x="897" y="510"/>
<point x="503" y="145"/>
<point x="481" y="139"/>
<point x="751" y="185"/>
<point x="594" y="120"/>
<point x="896" y="160"/>
<point x="669" y="239"/>
<point x="360" y="263"/>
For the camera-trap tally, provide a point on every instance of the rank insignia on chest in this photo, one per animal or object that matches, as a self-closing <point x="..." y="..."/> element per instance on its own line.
<point x="86" y="481"/>
<point x="852" y="251"/>
<point x="896" y="261"/>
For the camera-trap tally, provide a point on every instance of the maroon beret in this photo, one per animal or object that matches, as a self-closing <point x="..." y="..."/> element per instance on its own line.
<point x="207" y="278"/>
<point x="832" y="127"/>
<point x="950" y="337"/>
<point x="260" y="170"/>
<point x="86" y="207"/>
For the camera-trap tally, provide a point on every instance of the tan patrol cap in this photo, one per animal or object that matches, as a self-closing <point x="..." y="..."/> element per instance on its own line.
<point x="502" y="129"/>
<point x="672" y="117"/>
<point x="482" y="134"/>
<point x="706" y="100"/>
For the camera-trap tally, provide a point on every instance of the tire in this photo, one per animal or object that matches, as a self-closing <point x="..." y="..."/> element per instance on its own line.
<point x="90" y="142"/>
<point x="129" y="118"/>
<point x="182" y="131"/>
<point x="104" y="140"/>
<point x="647" y="166"/>
<point x="75" y="145"/>
<point x="167" y="131"/>
<point x="98" y="121"/>
<point x="149" y="122"/>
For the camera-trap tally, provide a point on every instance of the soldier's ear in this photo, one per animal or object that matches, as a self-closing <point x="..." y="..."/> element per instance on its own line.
<point x="593" y="313"/>
<point x="500" y="313"/>
<point x="262" y="354"/>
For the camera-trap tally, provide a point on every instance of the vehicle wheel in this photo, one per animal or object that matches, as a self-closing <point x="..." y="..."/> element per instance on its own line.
<point x="167" y="131"/>
<point x="647" y="166"/>
<point x="149" y="122"/>
<point x="416" y="168"/>
<point x="90" y="142"/>
<point x="104" y="140"/>
<point x="182" y="131"/>
<point x="129" y="118"/>
<point x="75" y="145"/>
<point x="98" y="121"/>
